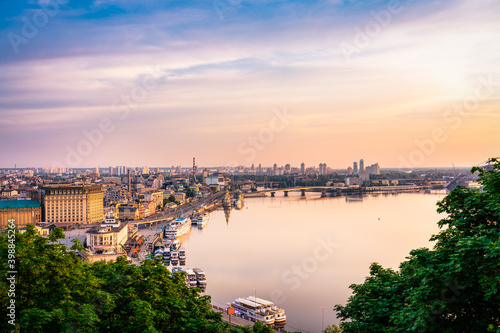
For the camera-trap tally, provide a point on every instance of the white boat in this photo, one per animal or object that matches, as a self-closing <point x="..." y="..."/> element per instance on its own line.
<point x="201" y="220"/>
<point x="279" y="314"/>
<point x="200" y="277"/>
<point x="191" y="278"/>
<point x="175" y="245"/>
<point x="178" y="227"/>
<point x="182" y="254"/>
<point x="166" y="253"/>
<point x="254" y="310"/>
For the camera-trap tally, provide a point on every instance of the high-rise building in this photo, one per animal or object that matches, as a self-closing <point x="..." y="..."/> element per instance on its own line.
<point x="129" y="182"/>
<point x="373" y="169"/>
<point x="302" y="169"/>
<point x="322" y="169"/>
<point x="355" y="168"/>
<point x="275" y="167"/>
<point x="72" y="203"/>
<point x="288" y="168"/>
<point x="361" y="166"/>
<point x="110" y="170"/>
<point x="349" y="170"/>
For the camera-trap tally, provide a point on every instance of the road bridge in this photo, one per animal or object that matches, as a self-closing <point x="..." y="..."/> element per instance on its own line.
<point x="335" y="190"/>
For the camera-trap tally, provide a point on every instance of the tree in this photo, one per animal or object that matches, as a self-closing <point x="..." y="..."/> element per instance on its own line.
<point x="189" y="192"/>
<point x="455" y="287"/>
<point x="77" y="245"/>
<point x="171" y="198"/>
<point x="56" y="291"/>
<point x="332" y="329"/>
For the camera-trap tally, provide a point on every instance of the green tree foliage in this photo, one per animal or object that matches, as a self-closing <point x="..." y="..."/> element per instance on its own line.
<point x="189" y="192"/>
<point x="455" y="287"/>
<point x="57" y="292"/>
<point x="332" y="329"/>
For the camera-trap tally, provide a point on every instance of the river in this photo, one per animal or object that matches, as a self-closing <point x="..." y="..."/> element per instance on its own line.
<point x="303" y="253"/>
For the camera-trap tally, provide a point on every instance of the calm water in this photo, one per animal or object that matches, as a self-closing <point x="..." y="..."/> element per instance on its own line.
<point x="303" y="253"/>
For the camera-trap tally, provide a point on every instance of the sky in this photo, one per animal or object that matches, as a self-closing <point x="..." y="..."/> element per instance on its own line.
<point x="240" y="82"/>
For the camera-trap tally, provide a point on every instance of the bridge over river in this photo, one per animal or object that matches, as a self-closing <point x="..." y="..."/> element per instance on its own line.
<point x="335" y="190"/>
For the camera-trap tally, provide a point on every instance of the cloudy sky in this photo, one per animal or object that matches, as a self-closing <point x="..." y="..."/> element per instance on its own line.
<point x="156" y="83"/>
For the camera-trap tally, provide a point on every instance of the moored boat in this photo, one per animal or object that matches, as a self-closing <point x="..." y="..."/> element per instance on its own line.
<point x="178" y="227"/>
<point x="279" y="314"/>
<point x="254" y="310"/>
<point x="200" y="277"/>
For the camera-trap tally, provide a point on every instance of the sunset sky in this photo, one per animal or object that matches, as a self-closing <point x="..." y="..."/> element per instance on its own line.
<point x="156" y="83"/>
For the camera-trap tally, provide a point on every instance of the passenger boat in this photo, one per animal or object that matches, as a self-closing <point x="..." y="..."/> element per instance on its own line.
<point x="201" y="220"/>
<point x="178" y="227"/>
<point x="166" y="254"/>
<point x="279" y="314"/>
<point x="182" y="254"/>
<point x="254" y="310"/>
<point x="200" y="277"/>
<point x="175" y="245"/>
<point x="174" y="257"/>
<point x="191" y="278"/>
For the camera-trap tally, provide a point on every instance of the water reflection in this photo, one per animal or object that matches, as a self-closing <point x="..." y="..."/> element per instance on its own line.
<point x="304" y="252"/>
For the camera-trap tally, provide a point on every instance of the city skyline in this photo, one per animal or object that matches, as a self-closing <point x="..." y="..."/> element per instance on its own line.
<point x="401" y="83"/>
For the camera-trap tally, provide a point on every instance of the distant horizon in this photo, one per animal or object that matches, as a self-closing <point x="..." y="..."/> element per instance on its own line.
<point x="200" y="168"/>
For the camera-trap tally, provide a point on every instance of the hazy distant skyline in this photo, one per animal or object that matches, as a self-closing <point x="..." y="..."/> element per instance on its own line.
<point x="230" y="82"/>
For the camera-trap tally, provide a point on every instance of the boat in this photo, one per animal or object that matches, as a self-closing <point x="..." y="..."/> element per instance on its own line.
<point x="200" y="277"/>
<point x="254" y="310"/>
<point x="201" y="220"/>
<point x="166" y="254"/>
<point x="174" y="257"/>
<point x="279" y="314"/>
<point x="182" y="254"/>
<point x="191" y="278"/>
<point x="178" y="227"/>
<point x="175" y="245"/>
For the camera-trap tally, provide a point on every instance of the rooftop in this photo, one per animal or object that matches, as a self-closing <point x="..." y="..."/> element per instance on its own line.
<point x="6" y="204"/>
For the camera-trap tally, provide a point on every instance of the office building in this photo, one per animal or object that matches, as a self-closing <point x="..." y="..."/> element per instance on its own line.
<point x="361" y="166"/>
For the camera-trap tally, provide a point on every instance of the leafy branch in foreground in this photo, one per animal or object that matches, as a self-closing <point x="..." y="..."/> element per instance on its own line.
<point x="455" y="287"/>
